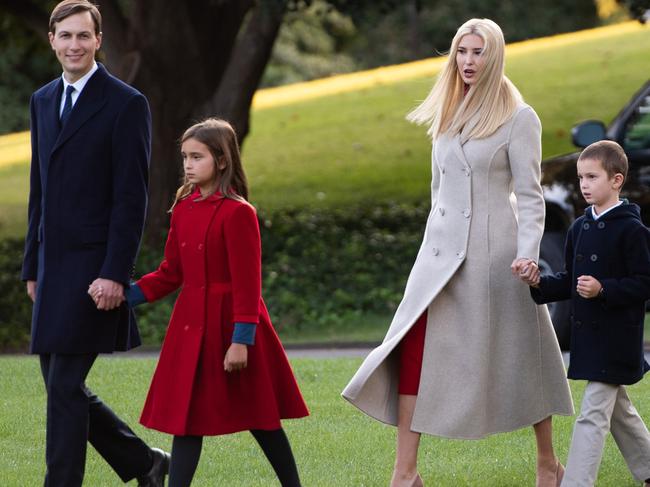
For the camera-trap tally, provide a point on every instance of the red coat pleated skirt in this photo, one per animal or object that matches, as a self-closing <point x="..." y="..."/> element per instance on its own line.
<point x="213" y="253"/>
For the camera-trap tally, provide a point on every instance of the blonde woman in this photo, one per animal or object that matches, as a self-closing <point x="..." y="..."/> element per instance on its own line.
<point x="468" y="354"/>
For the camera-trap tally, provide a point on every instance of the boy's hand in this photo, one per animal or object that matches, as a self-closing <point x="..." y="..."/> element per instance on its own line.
<point x="236" y="357"/>
<point x="588" y="287"/>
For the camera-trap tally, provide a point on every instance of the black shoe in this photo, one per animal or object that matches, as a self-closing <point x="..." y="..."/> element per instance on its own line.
<point x="156" y="475"/>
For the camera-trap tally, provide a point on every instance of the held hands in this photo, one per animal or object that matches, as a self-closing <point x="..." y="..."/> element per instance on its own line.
<point x="236" y="357"/>
<point x="526" y="270"/>
<point x="588" y="287"/>
<point x="107" y="294"/>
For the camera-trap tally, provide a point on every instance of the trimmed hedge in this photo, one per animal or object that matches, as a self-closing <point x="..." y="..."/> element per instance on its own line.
<point x="321" y="267"/>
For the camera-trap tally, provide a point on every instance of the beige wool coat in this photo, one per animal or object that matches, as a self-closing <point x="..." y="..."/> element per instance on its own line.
<point x="491" y="359"/>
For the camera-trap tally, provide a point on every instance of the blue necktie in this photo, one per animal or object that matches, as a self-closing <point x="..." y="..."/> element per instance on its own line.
<point x="67" y="106"/>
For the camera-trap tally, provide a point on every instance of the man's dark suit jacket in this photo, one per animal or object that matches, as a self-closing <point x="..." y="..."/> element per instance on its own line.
<point x="87" y="207"/>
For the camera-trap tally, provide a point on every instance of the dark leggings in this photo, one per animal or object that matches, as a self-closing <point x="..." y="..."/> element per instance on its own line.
<point x="186" y="451"/>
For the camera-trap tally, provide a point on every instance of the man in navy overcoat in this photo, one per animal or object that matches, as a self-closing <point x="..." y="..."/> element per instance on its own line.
<point x="91" y="139"/>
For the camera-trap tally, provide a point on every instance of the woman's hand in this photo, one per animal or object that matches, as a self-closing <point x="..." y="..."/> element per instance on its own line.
<point x="588" y="287"/>
<point x="526" y="270"/>
<point x="236" y="357"/>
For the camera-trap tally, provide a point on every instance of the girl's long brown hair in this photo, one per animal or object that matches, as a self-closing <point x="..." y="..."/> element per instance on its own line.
<point x="221" y="139"/>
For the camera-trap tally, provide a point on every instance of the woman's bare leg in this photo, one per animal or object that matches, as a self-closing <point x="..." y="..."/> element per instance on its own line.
<point x="549" y="470"/>
<point x="406" y="458"/>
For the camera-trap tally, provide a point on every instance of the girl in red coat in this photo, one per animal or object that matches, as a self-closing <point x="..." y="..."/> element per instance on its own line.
<point x="222" y="368"/>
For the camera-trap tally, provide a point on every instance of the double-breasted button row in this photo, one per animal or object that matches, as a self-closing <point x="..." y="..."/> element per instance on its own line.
<point x="436" y="251"/>
<point x="199" y="246"/>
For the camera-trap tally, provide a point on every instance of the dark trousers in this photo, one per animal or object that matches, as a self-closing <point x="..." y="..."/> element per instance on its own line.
<point x="76" y="416"/>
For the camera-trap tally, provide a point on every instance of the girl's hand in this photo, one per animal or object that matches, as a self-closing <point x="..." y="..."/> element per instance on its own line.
<point x="236" y="357"/>
<point x="588" y="287"/>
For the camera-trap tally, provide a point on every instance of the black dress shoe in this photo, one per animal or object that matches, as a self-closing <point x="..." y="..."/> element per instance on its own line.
<point x="156" y="475"/>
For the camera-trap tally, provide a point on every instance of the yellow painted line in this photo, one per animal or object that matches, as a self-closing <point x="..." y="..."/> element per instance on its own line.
<point x="344" y="83"/>
<point x="14" y="148"/>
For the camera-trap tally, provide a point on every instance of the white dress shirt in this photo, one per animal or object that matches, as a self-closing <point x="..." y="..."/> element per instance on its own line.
<point x="598" y="215"/>
<point x="78" y="86"/>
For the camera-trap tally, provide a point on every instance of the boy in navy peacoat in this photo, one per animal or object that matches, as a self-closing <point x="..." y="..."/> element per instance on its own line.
<point x="607" y="278"/>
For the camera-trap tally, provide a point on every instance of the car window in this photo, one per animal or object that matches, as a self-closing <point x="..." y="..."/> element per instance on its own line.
<point x="637" y="130"/>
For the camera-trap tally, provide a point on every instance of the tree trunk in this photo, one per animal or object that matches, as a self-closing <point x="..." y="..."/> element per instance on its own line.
<point x="191" y="60"/>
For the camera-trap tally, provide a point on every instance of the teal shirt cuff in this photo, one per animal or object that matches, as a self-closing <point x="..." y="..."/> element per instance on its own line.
<point x="134" y="295"/>
<point x="244" y="333"/>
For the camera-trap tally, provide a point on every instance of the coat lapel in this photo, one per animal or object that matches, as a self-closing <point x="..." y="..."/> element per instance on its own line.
<point x="459" y="140"/>
<point x="90" y="101"/>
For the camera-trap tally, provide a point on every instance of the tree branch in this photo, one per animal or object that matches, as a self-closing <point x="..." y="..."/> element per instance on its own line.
<point x="233" y="97"/>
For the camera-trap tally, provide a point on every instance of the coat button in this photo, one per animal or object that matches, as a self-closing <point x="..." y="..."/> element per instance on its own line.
<point x="441" y="211"/>
<point x="200" y="246"/>
<point x="186" y="327"/>
<point x="601" y="225"/>
<point x="183" y="244"/>
<point x="442" y="170"/>
<point x="579" y="257"/>
<point x="460" y="255"/>
<point x="593" y="257"/>
<point x="435" y="251"/>
<point x="466" y="213"/>
<point x="585" y="226"/>
<point x="578" y="323"/>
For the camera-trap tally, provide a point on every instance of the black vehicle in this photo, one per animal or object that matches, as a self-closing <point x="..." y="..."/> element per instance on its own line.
<point x="564" y="202"/>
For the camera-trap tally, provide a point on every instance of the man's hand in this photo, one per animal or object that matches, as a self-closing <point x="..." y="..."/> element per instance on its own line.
<point x="236" y="357"/>
<point x="31" y="290"/>
<point x="107" y="294"/>
<point x="588" y="287"/>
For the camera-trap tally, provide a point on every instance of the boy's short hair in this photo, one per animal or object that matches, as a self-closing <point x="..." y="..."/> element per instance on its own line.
<point x="66" y="8"/>
<point x="611" y="156"/>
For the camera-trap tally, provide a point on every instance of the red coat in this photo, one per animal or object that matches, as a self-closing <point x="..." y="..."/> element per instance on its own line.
<point x="213" y="251"/>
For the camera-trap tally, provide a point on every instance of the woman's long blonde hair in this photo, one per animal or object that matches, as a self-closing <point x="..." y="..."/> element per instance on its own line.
<point x="221" y="139"/>
<point x="492" y="99"/>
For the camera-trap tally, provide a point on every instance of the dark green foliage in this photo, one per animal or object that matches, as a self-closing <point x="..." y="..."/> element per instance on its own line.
<point x="26" y="62"/>
<point x="15" y="306"/>
<point x="321" y="267"/>
<point x="422" y="28"/>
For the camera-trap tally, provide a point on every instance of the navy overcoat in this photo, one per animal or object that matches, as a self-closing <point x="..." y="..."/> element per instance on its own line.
<point x="87" y="203"/>
<point x="606" y="332"/>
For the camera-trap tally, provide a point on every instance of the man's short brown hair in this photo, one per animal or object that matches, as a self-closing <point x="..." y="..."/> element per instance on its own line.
<point x="66" y="8"/>
<point x="611" y="156"/>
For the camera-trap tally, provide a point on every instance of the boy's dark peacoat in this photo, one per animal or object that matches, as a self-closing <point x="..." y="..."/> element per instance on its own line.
<point x="607" y="331"/>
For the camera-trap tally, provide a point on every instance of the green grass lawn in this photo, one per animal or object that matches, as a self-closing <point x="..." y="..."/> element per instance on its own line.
<point x="335" y="446"/>
<point x="356" y="146"/>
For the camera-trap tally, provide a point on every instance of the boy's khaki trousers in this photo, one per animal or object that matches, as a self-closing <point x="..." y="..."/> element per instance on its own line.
<point x="606" y="407"/>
